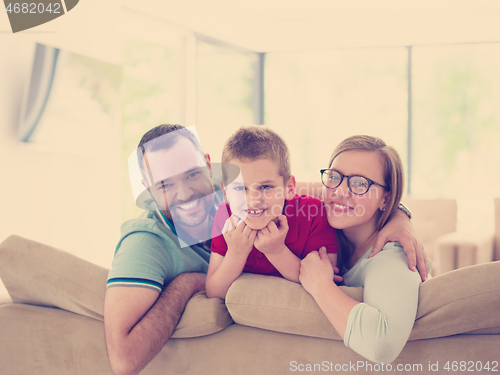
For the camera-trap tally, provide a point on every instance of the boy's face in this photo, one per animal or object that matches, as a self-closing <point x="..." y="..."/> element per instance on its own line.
<point x="258" y="195"/>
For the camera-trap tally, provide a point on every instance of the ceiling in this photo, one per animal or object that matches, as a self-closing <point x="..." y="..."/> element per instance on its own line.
<point x="278" y="25"/>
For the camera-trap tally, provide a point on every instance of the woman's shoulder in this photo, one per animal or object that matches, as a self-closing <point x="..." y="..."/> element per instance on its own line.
<point x="391" y="259"/>
<point x="393" y="246"/>
<point x="392" y="250"/>
<point x="391" y="253"/>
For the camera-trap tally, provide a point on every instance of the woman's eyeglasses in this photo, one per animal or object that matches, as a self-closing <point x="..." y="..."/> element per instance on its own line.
<point x="359" y="185"/>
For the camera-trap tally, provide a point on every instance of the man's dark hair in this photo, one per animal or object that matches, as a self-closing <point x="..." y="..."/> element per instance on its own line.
<point x="153" y="140"/>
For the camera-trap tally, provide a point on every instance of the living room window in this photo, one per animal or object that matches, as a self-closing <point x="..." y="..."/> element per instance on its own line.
<point x="151" y="94"/>
<point x="439" y="106"/>
<point x="190" y="80"/>
<point x="325" y="96"/>
<point x="456" y="127"/>
<point x="227" y="92"/>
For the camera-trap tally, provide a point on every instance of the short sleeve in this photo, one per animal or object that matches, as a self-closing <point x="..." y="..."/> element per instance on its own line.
<point x="379" y="328"/>
<point x="141" y="260"/>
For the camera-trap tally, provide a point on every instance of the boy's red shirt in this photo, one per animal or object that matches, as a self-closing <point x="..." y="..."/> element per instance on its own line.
<point x="308" y="231"/>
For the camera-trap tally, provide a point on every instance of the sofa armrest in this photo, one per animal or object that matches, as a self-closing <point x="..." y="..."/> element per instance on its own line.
<point x="38" y="274"/>
<point x="459" y="249"/>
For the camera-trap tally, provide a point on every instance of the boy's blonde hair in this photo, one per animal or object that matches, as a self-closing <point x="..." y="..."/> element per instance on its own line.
<point x="255" y="142"/>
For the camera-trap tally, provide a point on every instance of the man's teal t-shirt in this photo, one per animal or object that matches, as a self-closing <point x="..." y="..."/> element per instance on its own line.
<point x="149" y="255"/>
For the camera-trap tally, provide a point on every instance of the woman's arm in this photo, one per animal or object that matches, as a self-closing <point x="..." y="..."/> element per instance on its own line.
<point x="379" y="327"/>
<point x="389" y="308"/>
<point x="316" y="276"/>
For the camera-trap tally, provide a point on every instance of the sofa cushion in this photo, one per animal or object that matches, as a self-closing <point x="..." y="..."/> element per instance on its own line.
<point x="202" y="316"/>
<point x="38" y="274"/>
<point x="457" y="302"/>
<point x="277" y="304"/>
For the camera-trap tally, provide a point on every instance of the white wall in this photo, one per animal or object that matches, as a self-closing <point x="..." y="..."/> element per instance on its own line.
<point x="68" y="201"/>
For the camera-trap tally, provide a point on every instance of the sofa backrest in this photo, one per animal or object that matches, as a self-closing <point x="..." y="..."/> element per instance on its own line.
<point x="432" y="218"/>
<point x="496" y="253"/>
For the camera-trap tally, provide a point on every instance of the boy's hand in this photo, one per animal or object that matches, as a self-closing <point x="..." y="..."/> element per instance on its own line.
<point x="239" y="237"/>
<point x="271" y="239"/>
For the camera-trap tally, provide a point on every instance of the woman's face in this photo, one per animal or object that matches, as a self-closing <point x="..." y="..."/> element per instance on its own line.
<point x="346" y="209"/>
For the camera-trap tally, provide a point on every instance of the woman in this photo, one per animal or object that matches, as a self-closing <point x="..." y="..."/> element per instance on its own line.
<point x="363" y="188"/>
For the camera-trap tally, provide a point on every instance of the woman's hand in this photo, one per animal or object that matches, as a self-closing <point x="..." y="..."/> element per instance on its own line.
<point x="400" y="229"/>
<point x="316" y="270"/>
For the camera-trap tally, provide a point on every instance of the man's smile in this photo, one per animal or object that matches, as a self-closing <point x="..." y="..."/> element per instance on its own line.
<point x="188" y="206"/>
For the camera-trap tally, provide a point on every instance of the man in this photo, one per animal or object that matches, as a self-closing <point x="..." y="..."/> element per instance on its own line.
<point x="153" y="273"/>
<point x="139" y="317"/>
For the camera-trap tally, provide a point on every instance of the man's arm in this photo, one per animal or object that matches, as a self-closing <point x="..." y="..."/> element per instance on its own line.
<point x="139" y="321"/>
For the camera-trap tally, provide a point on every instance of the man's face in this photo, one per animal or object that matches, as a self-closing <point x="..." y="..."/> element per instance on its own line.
<point x="181" y="183"/>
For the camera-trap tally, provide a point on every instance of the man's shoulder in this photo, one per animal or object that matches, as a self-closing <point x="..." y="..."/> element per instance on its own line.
<point x="147" y="224"/>
<point x="146" y="220"/>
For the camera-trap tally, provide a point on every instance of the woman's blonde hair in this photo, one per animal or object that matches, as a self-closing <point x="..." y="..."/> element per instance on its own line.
<point x="393" y="176"/>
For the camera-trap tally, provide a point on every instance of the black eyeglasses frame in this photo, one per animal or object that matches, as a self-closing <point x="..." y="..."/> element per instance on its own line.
<point x="370" y="182"/>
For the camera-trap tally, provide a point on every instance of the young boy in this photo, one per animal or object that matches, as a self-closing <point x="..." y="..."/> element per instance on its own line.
<point x="266" y="227"/>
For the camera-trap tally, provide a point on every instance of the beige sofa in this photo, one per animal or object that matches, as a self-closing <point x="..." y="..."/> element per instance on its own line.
<point x="457" y="250"/>
<point x="267" y="326"/>
<point x="434" y="219"/>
